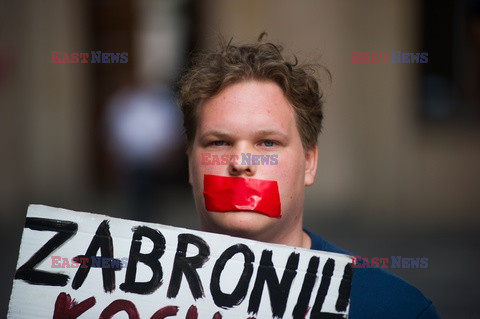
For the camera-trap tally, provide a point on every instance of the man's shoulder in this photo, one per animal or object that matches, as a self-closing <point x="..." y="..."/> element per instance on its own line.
<point x="377" y="293"/>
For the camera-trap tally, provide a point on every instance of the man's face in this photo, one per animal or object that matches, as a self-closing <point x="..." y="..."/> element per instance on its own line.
<point x="251" y="117"/>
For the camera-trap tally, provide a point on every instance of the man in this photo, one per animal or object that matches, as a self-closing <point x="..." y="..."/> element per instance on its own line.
<point x="242" y="106"/>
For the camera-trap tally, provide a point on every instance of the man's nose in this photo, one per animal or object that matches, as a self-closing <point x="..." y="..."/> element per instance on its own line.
<point x="241" y="162"/>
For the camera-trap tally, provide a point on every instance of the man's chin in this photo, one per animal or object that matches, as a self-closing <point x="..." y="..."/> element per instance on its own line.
<point x="245" y="224"/>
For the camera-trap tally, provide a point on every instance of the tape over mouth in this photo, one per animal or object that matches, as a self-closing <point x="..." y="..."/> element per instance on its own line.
<point x="230" y="194"/>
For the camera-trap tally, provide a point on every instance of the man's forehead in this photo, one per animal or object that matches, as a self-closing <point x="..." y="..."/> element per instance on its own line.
<point x="251" y="93"/>
<point x="259" y="104"/>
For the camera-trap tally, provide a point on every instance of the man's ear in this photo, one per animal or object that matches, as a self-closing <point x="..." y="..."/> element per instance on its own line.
<point x="311" y="158"/>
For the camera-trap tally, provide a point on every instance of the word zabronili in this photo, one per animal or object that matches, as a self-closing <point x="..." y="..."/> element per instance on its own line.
<point x="189" y="274"/>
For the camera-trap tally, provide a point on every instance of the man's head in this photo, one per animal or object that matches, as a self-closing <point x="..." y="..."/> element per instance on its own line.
<point x="249" y="100"/>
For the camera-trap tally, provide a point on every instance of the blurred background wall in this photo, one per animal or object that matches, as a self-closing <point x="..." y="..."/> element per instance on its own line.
<point x="391" y="180"/>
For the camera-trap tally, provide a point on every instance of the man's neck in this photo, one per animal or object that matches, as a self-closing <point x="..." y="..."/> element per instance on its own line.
<point x="297" y="239"/>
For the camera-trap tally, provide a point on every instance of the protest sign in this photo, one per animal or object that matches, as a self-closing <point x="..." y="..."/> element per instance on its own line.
<point x="84" y="265"/>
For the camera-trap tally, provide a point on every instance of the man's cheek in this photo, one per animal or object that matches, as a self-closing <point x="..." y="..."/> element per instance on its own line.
<point x="202" y="170"/>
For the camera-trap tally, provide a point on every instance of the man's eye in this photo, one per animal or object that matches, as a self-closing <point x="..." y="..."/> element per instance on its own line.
<point x="269" y="143"/>
<point x="218" y="143"/>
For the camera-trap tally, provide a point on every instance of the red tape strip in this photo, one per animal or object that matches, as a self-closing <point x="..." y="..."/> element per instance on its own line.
<point x="226" y="194"/>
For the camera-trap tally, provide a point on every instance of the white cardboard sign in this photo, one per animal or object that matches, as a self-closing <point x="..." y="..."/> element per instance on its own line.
<point x="81" y="265"/>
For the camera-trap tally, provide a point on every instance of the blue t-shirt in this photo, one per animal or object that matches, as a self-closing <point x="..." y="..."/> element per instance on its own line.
<point x="377" y="293"/>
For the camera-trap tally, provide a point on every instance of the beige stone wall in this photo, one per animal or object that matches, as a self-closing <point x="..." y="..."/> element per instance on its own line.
<point x="375" y="158"/>
<point x="44" y="106"/>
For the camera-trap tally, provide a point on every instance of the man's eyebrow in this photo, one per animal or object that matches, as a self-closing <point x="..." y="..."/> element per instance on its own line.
<point x="215" y="133"/>
<point x="223" y="134"/>
<point x="271" y="132"/>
